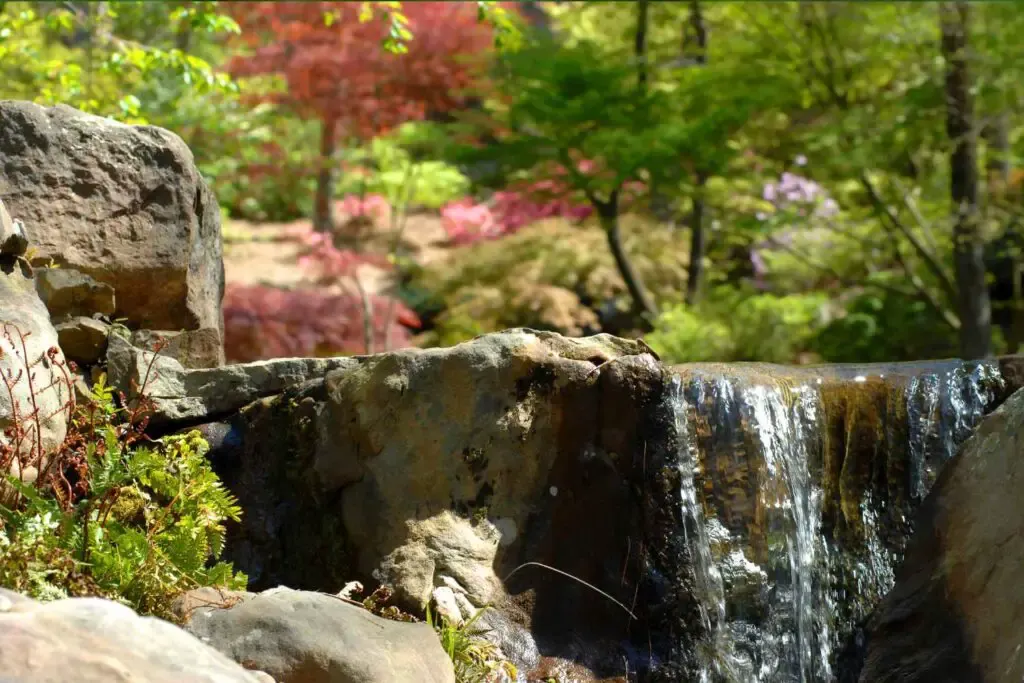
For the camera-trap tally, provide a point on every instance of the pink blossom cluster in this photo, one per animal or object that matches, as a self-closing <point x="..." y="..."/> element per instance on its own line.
<point x="508" y="211"/>
<point x="374" y="207"/>
<point x="326" y="263"/>
<point x="791" y="193"/>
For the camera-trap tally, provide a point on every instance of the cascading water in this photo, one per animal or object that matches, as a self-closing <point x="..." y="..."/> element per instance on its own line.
<point x="782" y="571"/>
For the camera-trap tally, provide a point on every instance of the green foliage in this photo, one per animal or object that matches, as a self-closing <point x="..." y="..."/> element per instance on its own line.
<point x="563" y="105"/>
<point x="738" y="325"/>
<point x="258" y="161"/>
<point x="552" y="275"/>
<point x="123" y="60"/>
<point x="883" y="327"/>
<point x="682" y="335"/>
<point x="396" y="167"/>
<point x="476" y="659"/>
<point x="145" y="524"/>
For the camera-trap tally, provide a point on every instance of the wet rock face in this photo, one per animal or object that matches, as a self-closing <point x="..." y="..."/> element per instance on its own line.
<point x="956" y="612"/>
<point x="802" y="487"/>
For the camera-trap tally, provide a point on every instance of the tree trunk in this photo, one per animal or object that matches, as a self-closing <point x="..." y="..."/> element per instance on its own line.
<point x="973" y="300"/>
<point x="699" y="45"/>
<point x="997" y="157"/>
<point x="323" y="217"/>
<point x="695" y="270"/>
<point x="643" y="304"/>
<point x="640" y="43"/>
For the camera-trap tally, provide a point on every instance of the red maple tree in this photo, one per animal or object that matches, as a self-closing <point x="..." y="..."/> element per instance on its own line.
<point x="338" y="73"/>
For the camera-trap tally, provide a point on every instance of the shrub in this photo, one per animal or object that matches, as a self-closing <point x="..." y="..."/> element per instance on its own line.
<point x="552" y="275"/>
<point x="260" y="170"/>
<point x="773" y="328"/>
<point x="738" y="325"/>
<point x="476" y="660"/>
<point x="269" y="322"/>
<point x="330" y="314"/>
<point x="683" y="335"/>
<point x="399" y="167"/>
<point x="885" y="327"/>
<point x="115" y="514"/>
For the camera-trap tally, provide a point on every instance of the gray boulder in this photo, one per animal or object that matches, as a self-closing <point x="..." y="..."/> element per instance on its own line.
<point x="89" y="640"/>
<point x="191" y="348"/>
<point x="307" y="637"/>
<point x="956" y="613"/>
<point x="124" y="204"/>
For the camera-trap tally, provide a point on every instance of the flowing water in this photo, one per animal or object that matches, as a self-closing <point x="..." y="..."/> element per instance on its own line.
<point x="796" y="488"/>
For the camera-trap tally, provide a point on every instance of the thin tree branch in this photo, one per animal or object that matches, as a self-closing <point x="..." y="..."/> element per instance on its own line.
<point x="929" y="258"/>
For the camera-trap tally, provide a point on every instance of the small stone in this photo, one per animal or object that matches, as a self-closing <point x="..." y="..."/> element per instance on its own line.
<point x="83" y="340"/>
<point x="192" y="348"/>
<point x="350" y="590"/>
<point x="446" y="605"/>
<point x="13" y="240"/>
<point x="507" y="529"/>
<point x="68" y="292"/>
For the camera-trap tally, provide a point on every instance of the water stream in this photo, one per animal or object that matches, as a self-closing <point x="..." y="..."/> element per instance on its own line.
<point x="796" y="489"/>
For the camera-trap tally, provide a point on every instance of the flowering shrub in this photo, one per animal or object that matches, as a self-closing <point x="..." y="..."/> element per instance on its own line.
<point x="798" y="209"/>
<point x="465" y="221"/>
<point x="527" y="202"/>
<point x="269" y="322"/>
<point x="372" y="208"/>
<point x="326" y="263"/>
<point x="799" y="195"/>
<point x="325" y="317"/>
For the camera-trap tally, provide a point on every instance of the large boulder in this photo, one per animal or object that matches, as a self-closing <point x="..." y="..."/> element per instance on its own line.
<point x="472" y="468"/>
<point x="124" y="204"/>
<point x="956" y="613"/>
<point x="32" y="365"/>
<point x="306" y="637"/>
<point x="482" y="440"/>
<point x="90" y="640"/>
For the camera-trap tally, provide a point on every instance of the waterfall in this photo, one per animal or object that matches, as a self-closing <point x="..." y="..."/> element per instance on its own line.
<point x="795" y="490"/>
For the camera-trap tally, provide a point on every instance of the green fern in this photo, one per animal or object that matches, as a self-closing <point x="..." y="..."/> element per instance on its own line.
<point x="150" y="526"/>
<point x="476" y="660"/>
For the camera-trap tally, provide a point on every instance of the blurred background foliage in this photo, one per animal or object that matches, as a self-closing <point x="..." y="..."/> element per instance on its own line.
<point x="735" y="181"/>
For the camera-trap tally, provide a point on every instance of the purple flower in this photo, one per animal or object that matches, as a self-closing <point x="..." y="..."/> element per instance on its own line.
<point x="801" y="160"/>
